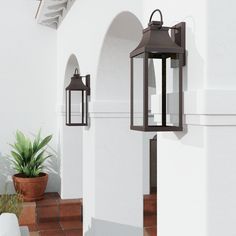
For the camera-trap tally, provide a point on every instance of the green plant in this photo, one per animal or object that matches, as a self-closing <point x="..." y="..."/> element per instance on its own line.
<point x="11" y="203"/>
<point x="29" y="156"/>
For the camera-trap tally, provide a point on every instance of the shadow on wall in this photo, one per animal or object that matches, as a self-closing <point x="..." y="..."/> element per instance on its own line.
<point x="196" y="69"/>
<point x="52" y="167"/>
<point x="194" y="63"/>
<point x="6" y="173"/>
<point x="106" y="228"/>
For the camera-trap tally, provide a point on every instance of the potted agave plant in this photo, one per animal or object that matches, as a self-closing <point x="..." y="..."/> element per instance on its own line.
<point x="28" y="158"/>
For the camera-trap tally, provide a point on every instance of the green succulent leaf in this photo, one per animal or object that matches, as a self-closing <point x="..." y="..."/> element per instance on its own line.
<point x="45" y="142"/>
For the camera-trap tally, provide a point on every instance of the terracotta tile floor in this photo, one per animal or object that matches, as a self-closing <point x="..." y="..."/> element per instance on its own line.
<point x="150" y="215"/>
<point x="68" y="228"/>
<point x="54" y="217"/>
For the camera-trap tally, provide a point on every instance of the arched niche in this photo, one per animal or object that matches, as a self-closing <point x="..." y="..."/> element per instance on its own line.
<point x="71" y="145"/>
<point x="113" y="74"/>
<point x="119" y="152"/>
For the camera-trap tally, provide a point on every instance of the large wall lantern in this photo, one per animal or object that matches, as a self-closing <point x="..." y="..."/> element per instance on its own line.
<point x="156" y="78"/>
<point x="77" y="100"/>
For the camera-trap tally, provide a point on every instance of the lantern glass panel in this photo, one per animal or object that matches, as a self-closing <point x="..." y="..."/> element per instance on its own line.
<point x="137" y="88"/>
<point x="154" y="91"/>
<point x="75" y="105"/>
<point x="163" y="77"/>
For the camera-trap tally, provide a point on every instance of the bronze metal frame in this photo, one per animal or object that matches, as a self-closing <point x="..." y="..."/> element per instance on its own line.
<point x="156" y="43"/>
<point x="77" y="84"/>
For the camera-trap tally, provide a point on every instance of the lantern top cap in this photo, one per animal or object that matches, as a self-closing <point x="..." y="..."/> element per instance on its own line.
<point x="76" y="83"/>
<point x="156" y="39"/>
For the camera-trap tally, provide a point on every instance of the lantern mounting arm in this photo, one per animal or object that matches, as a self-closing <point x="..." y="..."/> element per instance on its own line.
<point x="87" y="83"/>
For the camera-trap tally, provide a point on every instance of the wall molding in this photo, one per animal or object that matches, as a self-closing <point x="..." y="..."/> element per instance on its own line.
<point x="201" y="107"/>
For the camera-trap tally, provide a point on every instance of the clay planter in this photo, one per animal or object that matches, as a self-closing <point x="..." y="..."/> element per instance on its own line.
<point x="32" y="189"/>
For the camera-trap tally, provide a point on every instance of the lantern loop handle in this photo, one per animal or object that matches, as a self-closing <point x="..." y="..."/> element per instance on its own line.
<point x="157" y="10"/>
<point x="76" y="71"/>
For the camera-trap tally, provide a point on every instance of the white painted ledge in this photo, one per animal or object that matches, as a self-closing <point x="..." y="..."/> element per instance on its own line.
<point x="210" y="102"/>
<point x="202" y="107"/>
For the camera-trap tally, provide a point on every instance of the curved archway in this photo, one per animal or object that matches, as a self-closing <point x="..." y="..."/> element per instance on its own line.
<point x="71" y="145"/>
<point x="122" y="37"/>
<point x="118" y="192"/>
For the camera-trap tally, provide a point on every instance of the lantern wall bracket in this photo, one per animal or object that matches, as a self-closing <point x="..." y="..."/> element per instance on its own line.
<point x="87" y="82"/>
<point x="178" y="32"/>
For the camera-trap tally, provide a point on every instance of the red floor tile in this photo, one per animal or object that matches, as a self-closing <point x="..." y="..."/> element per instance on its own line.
<point x="71" y="224"/>
<point x="52" y="233"/>
<point x="49" y="226"/>
<point x="74" y="232"/>
<point x="48" y="213"/>
<point x="151" y="231"/>
<point x="70" y="209"/>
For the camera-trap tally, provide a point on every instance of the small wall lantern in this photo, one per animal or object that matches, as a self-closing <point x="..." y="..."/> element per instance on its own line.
<point x="77" y="111"/>
<point x="156" y="69"/>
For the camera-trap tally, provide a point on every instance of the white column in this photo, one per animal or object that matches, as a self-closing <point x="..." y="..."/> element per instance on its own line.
<point x="115" y="154"/>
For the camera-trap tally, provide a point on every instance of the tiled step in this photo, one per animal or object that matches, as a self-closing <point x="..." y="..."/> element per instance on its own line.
<point x="64" y="227"/>
<point x="52" y="208"/>
<point x="150" y="210"/>
<point x="28" y="215"/>
<point x="53" y="216"/>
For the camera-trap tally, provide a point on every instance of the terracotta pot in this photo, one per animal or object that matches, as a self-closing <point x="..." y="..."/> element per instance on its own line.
<point x="32" y="189"/>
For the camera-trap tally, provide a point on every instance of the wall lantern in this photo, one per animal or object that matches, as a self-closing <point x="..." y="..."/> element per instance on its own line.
<point x="156" y="78"/>
<point x="78" y="92"/>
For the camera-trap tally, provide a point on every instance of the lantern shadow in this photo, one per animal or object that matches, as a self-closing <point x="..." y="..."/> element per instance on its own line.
<point x="194" y="64"/>
<point x="6" y="173"/>
<point x="52" y="167"/>
<point x="180" y="135"/>
<point x="194" y="67"/>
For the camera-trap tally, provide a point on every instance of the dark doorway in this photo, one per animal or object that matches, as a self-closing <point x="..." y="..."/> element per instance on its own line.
<point x="150" y="200"/>
<point x="153" y="165"/>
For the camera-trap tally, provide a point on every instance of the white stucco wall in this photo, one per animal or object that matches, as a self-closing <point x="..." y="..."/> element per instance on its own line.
<point x="106" y="162"/>
<point x="196" y="168"/>
<point x="220" y="44"/>
<point x="27" y="80"/>
<point x="112" y="154"/>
